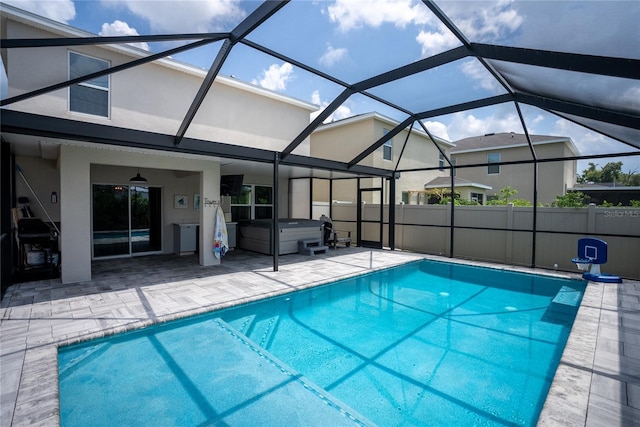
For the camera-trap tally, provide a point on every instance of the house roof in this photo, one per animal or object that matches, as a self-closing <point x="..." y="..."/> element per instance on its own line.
<point x="445" y="182"/>
<point x="504" y="140"/>
<point x="376" y="116"/>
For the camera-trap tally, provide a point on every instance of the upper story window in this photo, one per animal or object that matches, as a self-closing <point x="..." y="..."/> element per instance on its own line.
<point x="90" y="96"/>
<point x="493" y="158"/>
<point x="387" y="148"/>
<point x="441" y="162"/>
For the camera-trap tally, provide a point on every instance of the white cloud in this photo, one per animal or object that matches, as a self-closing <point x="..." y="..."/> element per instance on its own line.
<point x="587" y="141"/>
<point x="349" y="14"/>
<point x="184" y="16"/>
<point x="630" y="98"/>
<point x="436" y="42"/>
<point x="275" y="77"/>
<point x="438" y="129"/>
<point x="60" y="10"/>
<point x="476" y="71"/>
<point x="119" y="28"/>
<point x="341" y="112"/>
<point x="332" y="56"/>
<point x="465" y="124"/>
<point x="538" y="119"/>
<point x="491" y="23"/>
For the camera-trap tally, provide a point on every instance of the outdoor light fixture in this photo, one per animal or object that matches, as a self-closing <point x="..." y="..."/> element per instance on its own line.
<point x="137" y="179"/>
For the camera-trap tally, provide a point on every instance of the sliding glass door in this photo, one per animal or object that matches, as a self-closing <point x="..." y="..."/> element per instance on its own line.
<point x="126" y="220"/>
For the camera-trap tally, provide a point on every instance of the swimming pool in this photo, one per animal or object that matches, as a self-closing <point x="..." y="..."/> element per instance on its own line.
<point x="428" y="343"/>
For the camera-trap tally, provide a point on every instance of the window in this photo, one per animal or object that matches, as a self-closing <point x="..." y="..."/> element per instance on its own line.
<point x="90" y="96"/>
<point x="405" y="197"/>
<point x="493" y="158"/>
<point x="441" y="162"/>
<point x="477" y="197"/>
<point x="254" y="202"/>
<point x="387" y="147"/>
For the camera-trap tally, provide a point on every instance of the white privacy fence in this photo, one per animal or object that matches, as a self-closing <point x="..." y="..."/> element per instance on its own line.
<point x="504" y="233"/>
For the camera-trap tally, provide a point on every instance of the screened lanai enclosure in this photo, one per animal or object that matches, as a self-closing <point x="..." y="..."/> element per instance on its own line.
<point x="445" y="70"/>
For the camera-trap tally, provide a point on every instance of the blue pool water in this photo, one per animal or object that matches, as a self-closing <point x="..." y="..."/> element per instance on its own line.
<point x="428" y="343"/>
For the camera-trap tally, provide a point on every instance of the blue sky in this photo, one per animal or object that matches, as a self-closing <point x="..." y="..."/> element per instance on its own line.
<point x="356" y="39"/>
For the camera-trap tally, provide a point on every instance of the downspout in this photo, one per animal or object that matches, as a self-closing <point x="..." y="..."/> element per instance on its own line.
<point x="534" y="229"/>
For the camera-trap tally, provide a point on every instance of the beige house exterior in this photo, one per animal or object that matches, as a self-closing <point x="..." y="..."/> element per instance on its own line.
<point x="467" y="190"/>
<point x="150" y="98"/>
<point x="349" y="137"/>
<point x="554" y="177"/>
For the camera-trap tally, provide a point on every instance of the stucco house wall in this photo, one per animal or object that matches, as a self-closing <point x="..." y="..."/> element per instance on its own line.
<point x="347" y="138"/>
<point x="553" y="177"/>
<point x="153" y="97"/>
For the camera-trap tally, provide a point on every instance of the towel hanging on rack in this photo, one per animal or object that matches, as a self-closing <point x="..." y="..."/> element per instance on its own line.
<point x="220" y="237"/>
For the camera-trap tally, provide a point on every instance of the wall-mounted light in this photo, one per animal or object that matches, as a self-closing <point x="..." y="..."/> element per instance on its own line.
<point x="54" y="197"/>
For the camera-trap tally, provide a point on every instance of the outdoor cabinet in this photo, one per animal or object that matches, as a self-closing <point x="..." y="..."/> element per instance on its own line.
<point x="231" y="234"/>
<point x="185" y="238"/>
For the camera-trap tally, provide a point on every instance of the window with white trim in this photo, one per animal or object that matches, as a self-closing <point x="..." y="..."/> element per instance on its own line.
<point x="387" y="148"/>
<point x="477" y="197"/>
<point x="493" y="158"/>
<point x="90" y="96"/>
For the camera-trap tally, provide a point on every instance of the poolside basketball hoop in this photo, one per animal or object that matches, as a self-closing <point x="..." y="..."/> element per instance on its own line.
<point x="591" y="254"/>
<point x="582" y="264"/>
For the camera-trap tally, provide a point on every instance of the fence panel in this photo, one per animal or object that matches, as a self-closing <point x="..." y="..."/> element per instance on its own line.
<point x="425" y="228"/>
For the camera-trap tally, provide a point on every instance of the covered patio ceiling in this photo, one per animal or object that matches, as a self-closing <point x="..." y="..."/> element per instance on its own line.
<point x="554" y="80"/>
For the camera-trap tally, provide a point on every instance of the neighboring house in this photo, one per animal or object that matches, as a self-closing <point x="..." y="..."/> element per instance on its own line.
<point x="470" y="191"/>
<point x="81" y="182"/>
<point x="344" y="139"/>
<point x="554" y="178"/>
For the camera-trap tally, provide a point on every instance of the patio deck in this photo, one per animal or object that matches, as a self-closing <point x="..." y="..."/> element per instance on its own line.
<point x="597" y="382"/>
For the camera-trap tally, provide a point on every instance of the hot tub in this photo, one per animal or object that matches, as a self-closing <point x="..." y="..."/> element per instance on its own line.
<point x="256" y="235"/>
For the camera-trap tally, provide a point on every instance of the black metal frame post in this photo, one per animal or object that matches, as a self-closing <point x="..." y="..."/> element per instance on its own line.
<point x="275" y="244"/>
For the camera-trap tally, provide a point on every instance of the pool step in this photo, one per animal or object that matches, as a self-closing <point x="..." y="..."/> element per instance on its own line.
<point x="567" y="296"/>
<point x="563" y="307"/>
<point x="259" y="329"/>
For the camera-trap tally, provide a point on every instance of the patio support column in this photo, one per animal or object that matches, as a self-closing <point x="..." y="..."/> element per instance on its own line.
<point x="534" y="226"/>
<point x="453" y="211"/>
<point x="275" y="235"/>
<point x="209" y="190"/>
<point x="75" y="214"/>
<point x="392" y="211"/>
<point x="6" y="251"/>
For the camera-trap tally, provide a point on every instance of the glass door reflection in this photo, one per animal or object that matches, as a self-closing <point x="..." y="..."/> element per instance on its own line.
<point x="126" y="220"/>
<point x="145" y="215"/>
<point x="110" y="220"/>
